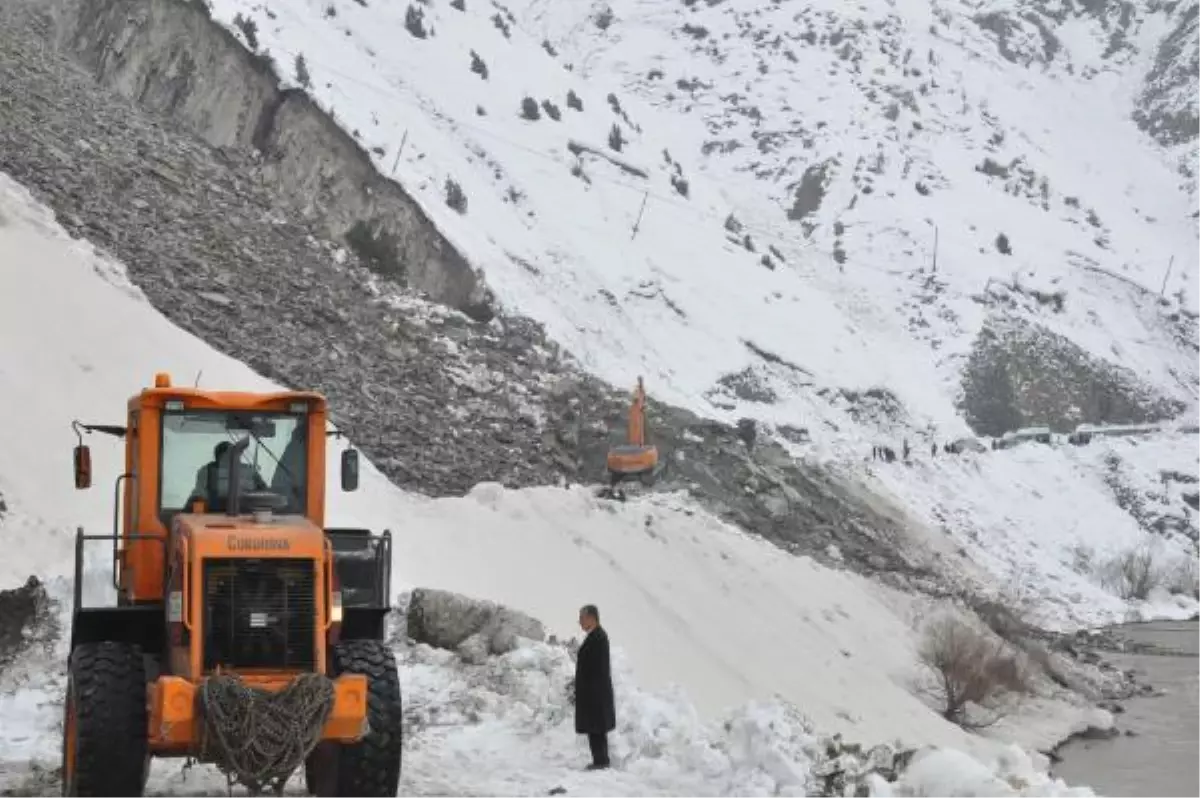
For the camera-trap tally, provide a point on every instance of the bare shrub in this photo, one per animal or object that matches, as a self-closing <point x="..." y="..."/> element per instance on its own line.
<point x="615" y="140"/>
<point x="1083" y="559"/>
<point x="302" y="74"/>
<point x="455" y="197"/>
<point x="975" y="675"/>
<point x="414" y="22"/>
<point x="1182" y="577"/>
<point x="529" y="109"/>
<point x="1132" y="574"/>
<point x="478" y="66"/>
<point x="249" y="29"/>
<point x="1018" y="606"/>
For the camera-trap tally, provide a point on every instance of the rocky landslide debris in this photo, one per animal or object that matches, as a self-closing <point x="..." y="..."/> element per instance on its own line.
<point x="438" y="402"/>
<point x="475" y="628"/>
<point x="26" y="620"/>
<point x="1021" y="374"/>
<point x="847" y="770"/>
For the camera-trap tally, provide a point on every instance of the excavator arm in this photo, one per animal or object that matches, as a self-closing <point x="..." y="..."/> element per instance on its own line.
<point x="636" y="430"/>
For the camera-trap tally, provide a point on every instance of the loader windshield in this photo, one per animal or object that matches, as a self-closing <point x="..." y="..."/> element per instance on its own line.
<point x="196" y="450"/>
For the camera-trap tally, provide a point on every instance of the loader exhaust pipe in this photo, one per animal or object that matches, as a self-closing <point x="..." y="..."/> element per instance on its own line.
<point x="234" y="506"/>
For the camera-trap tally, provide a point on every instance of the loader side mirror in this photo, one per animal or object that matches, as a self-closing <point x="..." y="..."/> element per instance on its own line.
<point x="83" y="467"/>
<point x="350" y="470"/>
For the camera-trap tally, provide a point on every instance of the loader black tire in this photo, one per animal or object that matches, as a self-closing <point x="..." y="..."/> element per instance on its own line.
<point x="104" y="721"/>
<point x="371" y="767"/>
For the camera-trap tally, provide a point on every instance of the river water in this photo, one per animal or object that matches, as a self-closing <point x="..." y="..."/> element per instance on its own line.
<point x="1161" y="758"/>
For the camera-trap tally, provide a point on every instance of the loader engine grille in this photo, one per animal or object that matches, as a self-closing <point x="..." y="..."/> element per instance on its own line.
<point x="260" y="614"/>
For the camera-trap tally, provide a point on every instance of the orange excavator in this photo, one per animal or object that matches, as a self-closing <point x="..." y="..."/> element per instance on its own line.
<point x="635" y="459"/>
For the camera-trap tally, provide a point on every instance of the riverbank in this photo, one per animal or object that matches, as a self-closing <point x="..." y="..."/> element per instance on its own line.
<point x="1157" y="733"/>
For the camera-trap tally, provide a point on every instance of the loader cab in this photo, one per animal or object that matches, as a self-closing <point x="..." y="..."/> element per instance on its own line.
<point x="178" y="441"/>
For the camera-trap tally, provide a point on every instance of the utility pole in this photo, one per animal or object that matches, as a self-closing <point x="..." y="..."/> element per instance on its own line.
<point x="399" y="150"/>
<point x="933" y="224"/>
<point x="637" y="225"/>
<point x="935" y="246"/>
<point x="1162" y="290"/>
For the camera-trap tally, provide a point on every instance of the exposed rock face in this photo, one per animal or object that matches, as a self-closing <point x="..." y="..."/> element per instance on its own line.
<point x="475" y="628"/>
<point x="438" y="402"/>
<point x="1020" y="374"/>
<point x="1026" y="31"/>
<point x="170" y="58"/>
<point x="1166" y="108"/>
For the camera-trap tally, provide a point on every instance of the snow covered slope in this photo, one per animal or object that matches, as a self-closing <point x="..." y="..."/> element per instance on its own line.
<point x="689" y="601"/>
<point x="798" y="163"/>
<point x="875" y="221"/>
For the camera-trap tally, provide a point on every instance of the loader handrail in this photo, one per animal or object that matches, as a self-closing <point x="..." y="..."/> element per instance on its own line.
<point x="378" y="548"/>
<point x="116" y="522"/>
<point x="81" y="537"/>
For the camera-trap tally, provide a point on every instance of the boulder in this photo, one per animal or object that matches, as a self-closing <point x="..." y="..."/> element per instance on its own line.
<point x="475" y="628"/>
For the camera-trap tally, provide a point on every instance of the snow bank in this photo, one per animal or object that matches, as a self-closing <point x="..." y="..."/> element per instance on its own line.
<point x="710" y="618"/>
<point x="1042" y="519"/>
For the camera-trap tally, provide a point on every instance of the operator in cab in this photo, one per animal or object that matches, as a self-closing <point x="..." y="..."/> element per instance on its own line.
<point x="212" y="479"/>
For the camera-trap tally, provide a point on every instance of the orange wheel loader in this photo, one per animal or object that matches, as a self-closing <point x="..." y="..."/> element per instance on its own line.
<point x="231" y="596"/>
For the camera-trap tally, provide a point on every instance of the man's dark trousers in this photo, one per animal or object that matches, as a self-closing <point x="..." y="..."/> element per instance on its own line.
<point x="599" y="745"/>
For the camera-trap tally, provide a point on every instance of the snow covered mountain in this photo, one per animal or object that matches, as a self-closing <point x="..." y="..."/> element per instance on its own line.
<point x="669" y="191"/>
<point x="708" y="689"/>
<point x="876" y="222"/>
<point x="833" y="196"/>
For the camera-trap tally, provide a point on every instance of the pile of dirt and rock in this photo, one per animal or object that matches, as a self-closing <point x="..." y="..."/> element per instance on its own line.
<point x="1021" y="374"/>
<point x="27" y="619"/>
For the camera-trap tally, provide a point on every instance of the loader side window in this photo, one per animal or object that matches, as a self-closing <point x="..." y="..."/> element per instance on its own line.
<point x="194" y="459"/>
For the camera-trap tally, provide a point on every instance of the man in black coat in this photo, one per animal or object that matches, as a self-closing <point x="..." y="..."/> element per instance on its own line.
<point x="595" y="710"/>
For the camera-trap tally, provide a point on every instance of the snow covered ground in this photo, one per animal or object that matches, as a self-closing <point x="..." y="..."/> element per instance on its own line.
<point x="1041" y="519"/>
<point x="707" y="618"/>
